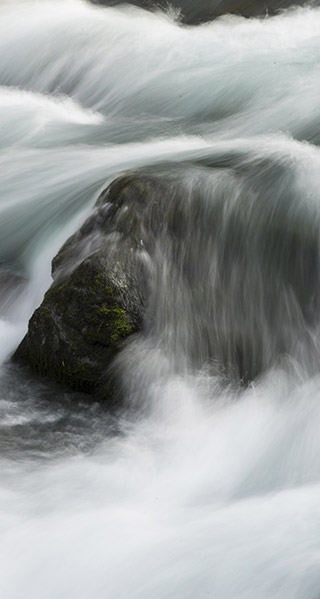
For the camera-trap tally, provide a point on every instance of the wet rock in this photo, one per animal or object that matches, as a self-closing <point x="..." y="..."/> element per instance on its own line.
<point x="223" y="271"/>
<point x="96" y="301"/>
<point x="193" y="12"/>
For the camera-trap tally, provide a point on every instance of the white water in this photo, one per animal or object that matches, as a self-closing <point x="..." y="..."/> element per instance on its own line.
<point x="209" y="492"/>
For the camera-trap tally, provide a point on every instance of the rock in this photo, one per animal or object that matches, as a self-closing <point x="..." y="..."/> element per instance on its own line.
<point x="96" y="301"/>
<point x="225" y="277"/>
<point x="194" y="12"/>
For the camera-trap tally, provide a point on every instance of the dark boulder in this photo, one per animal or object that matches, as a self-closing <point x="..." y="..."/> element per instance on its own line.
<point x="193" y="12"/>
<point x="223" y="271"/>
<point x="96" y="301"/>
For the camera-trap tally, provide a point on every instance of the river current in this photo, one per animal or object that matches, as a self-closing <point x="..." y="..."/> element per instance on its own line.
<point x="198" y="488"/>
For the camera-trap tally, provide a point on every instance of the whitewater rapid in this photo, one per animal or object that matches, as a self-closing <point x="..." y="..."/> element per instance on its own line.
<point x="198" y="488"/>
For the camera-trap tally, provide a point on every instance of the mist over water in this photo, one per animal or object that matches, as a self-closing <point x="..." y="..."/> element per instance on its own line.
<point x="201" y="487"/>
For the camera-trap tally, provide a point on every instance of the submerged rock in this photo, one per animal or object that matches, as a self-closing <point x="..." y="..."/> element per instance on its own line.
<point x="193" y="12"/>
<point x="223" y="271"/>
<point x="95" y="303"/>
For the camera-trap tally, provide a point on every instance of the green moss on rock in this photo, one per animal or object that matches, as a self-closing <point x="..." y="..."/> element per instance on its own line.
<point x="94" y="304"/>
<point x="118" y="321"/>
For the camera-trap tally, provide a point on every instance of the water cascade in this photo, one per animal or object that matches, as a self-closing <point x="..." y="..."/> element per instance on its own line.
<point x="206" y="482"/>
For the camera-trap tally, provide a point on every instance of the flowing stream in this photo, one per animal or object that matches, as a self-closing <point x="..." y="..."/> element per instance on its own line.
<point x="201" y="487"/>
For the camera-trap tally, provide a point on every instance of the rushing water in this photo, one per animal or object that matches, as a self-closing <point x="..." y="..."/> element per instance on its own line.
<point x="200" y="488"/>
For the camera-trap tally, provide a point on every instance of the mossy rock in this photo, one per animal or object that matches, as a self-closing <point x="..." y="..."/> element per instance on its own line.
<point x="95" y="304"/>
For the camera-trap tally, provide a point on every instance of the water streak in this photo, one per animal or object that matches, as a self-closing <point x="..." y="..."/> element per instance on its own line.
<point x="200" y="487"/>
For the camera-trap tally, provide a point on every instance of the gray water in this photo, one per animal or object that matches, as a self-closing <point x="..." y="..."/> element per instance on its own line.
<point x="201" y="486"/>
